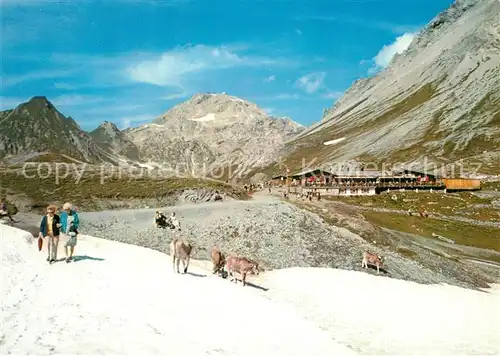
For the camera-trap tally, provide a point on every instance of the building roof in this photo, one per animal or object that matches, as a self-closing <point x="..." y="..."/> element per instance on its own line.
<point x="358" y="174"/>
<point x="422" y="172"/>
<point x="309" y="170"/>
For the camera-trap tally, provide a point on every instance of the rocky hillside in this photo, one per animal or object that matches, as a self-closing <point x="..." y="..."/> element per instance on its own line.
<point x="440" y="99"/>
<point x="213" y="133"/>
<point x="36" y="130"/>
<point x="111" y="139"/>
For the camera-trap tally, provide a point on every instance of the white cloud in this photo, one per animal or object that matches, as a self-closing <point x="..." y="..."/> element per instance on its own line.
<point x="113" y="108"/>
<point x="385" y="55"/>
<point x="311" y="82"/>
<point x="172" y="67"/>
<point x="173" y="96"/>
<point x="128" y="121"/>
<point x="366" y="23"/>
<point x="334" y="95"/>
<point x="271" y="78"/>
<point x="75" y="100"/>
<point x="286" y="96"/>
<point x="298" y="32"/>
<point x="65" y="86"/>
<point x="10" y="80"/>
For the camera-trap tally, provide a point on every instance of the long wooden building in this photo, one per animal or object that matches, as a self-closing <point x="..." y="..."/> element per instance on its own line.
<point x="369" y="182"/>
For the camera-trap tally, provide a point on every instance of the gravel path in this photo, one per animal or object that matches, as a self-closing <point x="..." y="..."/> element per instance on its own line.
<point x="276" y="233"/>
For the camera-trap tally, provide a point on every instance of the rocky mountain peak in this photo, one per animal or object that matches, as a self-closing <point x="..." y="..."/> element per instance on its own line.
<point x="41" y="113"/>
<point x="211" y="130"/>
<point x="40" y="101"/>
<point x="108" y="129"/>
<point x="473" y="33"/>
<point x="109" y="137"/>
<point x="213" y="109"/>
<point x="36" y="127"/>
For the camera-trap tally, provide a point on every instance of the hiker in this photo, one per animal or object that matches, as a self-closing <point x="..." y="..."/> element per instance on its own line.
<point x="49" y="229"/>
<point x="160" y="219"/>
<point x="69" y="225"/>
<point x="174" y="223"/>
<point x="3" y="209"/>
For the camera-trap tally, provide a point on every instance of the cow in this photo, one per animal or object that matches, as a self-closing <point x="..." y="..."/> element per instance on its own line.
<point x="180" y="250"/>
<point x="372" y="259"/>
<point x="218" y="260"/>
<point x="241" y="265"/>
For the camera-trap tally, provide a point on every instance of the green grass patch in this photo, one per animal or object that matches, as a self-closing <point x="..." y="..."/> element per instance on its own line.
<point x="435" y="203"/>
<point x="51" y="157"/>
<point x="490" y="186"/>
<point x="90" y="187"/>
<point x="407" y="253"/>
<point x="462" y="233"/>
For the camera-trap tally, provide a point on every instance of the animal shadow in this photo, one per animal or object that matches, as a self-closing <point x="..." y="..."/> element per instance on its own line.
<point x="85" y="257"/>
<point x="196" y="274"/>
<point x="256" y="286"/>
<point x="382" y="270"/>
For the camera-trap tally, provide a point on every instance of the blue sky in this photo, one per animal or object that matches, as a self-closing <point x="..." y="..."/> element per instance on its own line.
<point x="128" y="61"/>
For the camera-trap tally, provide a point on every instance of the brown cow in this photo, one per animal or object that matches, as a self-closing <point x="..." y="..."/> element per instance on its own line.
<point x="180" y="250"/>
<point x="218" y="260"/>
<point x="372" y="259"/>
<point x="241" y="265"/>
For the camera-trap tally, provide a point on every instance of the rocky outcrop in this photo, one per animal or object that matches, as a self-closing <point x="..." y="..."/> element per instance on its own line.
<point x="110" y="138"/>
<point x="213" y="134"/>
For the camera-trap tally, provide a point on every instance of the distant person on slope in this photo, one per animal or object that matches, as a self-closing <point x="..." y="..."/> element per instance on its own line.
<point x="69" y="223"/>
<point x="49" y="229"/>
<point x="3" y="209"/>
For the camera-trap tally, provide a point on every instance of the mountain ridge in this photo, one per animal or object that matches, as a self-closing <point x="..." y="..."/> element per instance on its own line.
<point x="205" y="135"/>
<point x="37" y="128"/>
<point x="436" y="102"/>
<point x="439" y="99"/>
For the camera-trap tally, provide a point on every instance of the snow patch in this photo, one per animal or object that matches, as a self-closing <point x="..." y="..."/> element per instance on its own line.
<point x="332" y="142"/>
<point x="377" y="315"/>
<point x="305" y="311"/>
<point x="80" y="307"/>
<point x="208" y="117"/>
<point x="145" y="165"/>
